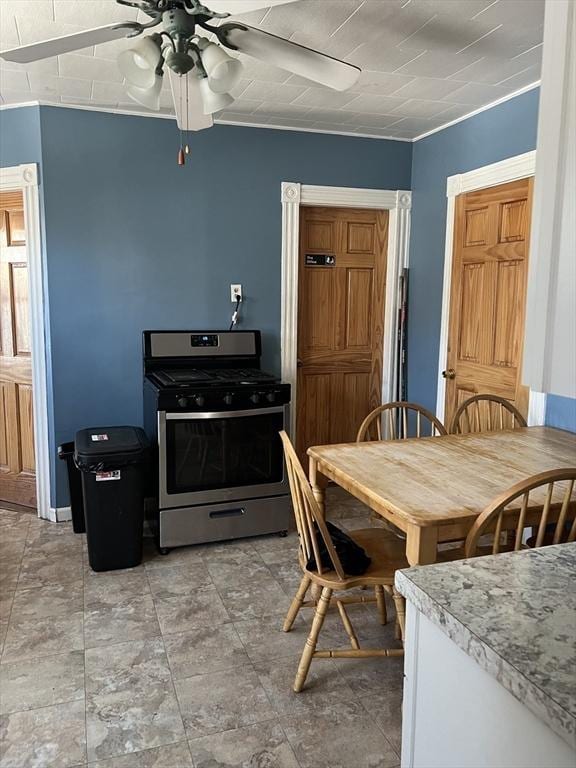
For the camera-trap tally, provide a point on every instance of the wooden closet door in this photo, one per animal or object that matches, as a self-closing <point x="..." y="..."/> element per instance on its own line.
<point x="17" y="465"/>
<point x="340" y="322"/>
<point x="488" y="295"/>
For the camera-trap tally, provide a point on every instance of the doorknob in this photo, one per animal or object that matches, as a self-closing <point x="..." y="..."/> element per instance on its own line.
<point x="449" y="374"/>
<point x="299" y="363"/>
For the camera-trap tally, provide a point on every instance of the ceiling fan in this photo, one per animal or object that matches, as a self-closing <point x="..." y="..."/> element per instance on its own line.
<point x="201" y="72"/>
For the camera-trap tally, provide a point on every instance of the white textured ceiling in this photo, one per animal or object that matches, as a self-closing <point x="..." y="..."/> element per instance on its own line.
<point x="424" y="63"/>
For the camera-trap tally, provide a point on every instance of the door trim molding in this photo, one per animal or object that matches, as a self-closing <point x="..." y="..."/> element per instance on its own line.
<point x="511" y="169"/>
<point x="294" y="195"/>
<point x="25" y="178"/>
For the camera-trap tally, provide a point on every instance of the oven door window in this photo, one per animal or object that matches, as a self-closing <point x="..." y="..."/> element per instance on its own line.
<point x="227" y="452"/>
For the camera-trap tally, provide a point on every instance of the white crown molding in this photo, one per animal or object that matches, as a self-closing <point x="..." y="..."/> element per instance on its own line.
<point x="294" y="195"/>
<point x="89" y="108"/>
<point x="300" y="129"/>
<point x="163" y="116"/>
<point x="479" y="110"/>
<point x="20" y="105"/>
<point x="502" y="172"/>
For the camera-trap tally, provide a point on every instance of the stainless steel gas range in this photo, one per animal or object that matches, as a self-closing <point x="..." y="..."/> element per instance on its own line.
<point x="214" y="417"/>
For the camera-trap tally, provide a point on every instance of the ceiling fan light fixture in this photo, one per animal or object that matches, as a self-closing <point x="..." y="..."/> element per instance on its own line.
<point x="223" y="71"/>
<point x="138" y="63"/>
<point x="147" y="97"/>
<point x="179" y="62"/>
<point x="213" y="102"/>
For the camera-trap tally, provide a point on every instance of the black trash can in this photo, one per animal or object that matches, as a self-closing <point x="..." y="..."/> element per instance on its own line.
<point x="66" y="453"/>
<point x="113" y="464"/>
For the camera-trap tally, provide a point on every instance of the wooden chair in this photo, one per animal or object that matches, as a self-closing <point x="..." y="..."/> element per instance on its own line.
<point x="386" y="552"/>
<point x="399" y="418"/>
<point x="545" y="501"/>
<point x="486" y="413"/>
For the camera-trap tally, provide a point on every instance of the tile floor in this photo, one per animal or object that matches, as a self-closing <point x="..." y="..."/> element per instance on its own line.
<point x="181" y="662"/>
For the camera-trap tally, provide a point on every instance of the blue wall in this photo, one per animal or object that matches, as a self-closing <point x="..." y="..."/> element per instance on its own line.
<point x="134" y="241"/>
<point x="504" y="131"/>
<point x="561" y="412"/>
<point x="20" y="136"/>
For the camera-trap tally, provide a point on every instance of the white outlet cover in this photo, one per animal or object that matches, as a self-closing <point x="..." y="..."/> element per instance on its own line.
<point x="235" y="290"/>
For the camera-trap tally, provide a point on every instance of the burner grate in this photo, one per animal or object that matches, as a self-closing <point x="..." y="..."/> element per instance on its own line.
<point x="213" y="376"/>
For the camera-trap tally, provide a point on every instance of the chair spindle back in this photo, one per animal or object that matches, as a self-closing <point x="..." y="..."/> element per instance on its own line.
<point x="309" y="519"/>
<point x="547" y="500"/>
<point x="486" y="413"/>
<point x="399" y="417"/>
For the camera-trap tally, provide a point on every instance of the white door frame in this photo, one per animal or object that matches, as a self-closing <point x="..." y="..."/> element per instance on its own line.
<point x="25" y="178"/>
<point x="511" y="169"/>
<point x="398" y="203"/>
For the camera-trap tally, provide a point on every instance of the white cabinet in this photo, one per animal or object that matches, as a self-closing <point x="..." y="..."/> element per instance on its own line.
<point x="456" y="715"/>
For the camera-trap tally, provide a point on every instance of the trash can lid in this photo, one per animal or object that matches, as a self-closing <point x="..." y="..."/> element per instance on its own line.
<point x="105" y="444"/>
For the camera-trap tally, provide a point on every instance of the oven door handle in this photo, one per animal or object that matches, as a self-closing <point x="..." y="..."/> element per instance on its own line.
<point x="222" y="414"/>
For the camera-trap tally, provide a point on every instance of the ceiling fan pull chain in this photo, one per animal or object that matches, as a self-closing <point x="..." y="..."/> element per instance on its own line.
<point x="186" y="147"/>
<point x="181" y="156"/>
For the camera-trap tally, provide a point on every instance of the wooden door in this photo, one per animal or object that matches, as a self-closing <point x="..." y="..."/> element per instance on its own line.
<point x="17" y="466"/>
<point x="488" y="295"/>
<point x="341" y="291"/>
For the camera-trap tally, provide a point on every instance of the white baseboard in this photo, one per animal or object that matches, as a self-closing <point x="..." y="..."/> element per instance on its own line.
<point x="60" y="514"/>
<point x="537" y="409"/>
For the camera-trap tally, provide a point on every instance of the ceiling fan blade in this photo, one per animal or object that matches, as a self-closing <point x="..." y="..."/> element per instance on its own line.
<point x="298" y="59"/>
<point x="188" y="102"/>
<point x="237" y="7"/>
<point x="48" y="48"/>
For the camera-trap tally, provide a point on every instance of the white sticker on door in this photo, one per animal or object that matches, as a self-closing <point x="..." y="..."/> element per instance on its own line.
<point x="112" y="475"/>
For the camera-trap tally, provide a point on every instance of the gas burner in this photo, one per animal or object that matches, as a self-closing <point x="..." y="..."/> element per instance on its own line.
<point x="186" y="376"/>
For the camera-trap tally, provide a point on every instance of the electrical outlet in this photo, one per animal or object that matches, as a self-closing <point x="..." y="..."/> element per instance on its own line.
<point x="235" y="291"/>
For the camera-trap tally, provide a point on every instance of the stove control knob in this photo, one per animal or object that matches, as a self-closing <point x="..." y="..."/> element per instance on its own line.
<point x="255" y="398"/>
<point x="199" y="400"/>
<point x="182" y="402"/>
<point x="271" y="397"/>
<point x="228" y="399"/>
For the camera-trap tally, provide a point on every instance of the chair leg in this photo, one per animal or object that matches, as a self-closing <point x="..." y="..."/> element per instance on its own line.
<point x="310" y="647"/>
<point x="381" y="603"/>
<point x="296" y="603"/>
<point x="348" y="626"/>
<point x="400" y="605"/>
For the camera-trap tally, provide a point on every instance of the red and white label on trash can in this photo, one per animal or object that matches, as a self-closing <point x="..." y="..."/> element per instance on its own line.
<point x="97" y="438"/>
<point x="112" y="475"/>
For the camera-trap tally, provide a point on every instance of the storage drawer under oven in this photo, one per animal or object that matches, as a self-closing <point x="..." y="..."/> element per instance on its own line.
<point x="218" y="522"/>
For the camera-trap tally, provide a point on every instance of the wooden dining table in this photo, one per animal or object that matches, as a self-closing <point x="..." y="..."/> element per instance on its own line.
<point x="433" y="488"/>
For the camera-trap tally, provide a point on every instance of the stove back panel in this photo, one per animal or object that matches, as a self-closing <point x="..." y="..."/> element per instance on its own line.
<point x="200" y="345"/>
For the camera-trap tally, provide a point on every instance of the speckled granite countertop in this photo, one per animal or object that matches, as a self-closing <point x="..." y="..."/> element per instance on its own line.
<point x="514" y="614"/>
